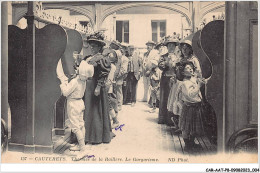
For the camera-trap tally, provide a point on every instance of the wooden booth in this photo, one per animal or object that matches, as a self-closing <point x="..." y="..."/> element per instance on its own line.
<point x="34" y="96"/>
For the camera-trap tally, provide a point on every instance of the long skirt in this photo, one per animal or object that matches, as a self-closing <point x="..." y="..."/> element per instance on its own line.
<point x="96" y="115"/>
<point x="191" y="120"/>
<point x="164" y="116"/>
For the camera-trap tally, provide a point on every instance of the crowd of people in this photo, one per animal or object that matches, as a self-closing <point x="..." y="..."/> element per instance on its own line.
<point x="108" y="78"/>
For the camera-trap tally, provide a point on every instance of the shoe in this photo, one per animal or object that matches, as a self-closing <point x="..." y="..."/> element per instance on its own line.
<point x="196" y="147"/>
<point x="152" y="110"/>
<point x="119" y="108"/>
<point x="114" y="125"/>
<point x="82" y="154"/>
<point x="133" y="104"/>
<point x="75" y="148"/>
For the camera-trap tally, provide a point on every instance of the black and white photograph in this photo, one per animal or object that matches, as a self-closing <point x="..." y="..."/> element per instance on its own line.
<point x="146" y="82"/>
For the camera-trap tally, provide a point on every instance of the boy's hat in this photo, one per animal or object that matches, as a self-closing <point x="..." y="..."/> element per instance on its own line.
<point x="86" y="69"/>
<point x="150" y="42"/>
<point x="115" y="45"/>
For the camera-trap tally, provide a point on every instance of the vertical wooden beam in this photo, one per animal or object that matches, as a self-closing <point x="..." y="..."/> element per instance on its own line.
<point x="195" y="16"/>
<point x="98" y="10"/>
<point x="29" y="147"/>
<point x="230" y="73"/>
<point x="114" y="26"/>
<point x="4" y="61"/>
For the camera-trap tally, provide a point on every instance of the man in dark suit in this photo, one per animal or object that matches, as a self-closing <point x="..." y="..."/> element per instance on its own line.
<point x="134" y="72"/>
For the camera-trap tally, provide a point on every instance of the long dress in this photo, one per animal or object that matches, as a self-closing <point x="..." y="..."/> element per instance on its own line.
<point x="167" y="65"/>
<point x="96" y="115"/>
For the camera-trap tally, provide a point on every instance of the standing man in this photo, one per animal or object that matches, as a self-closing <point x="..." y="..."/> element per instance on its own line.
<point x="120" y="75"/>
<point x="151" y="54"/>
<point x="134" y="72"/>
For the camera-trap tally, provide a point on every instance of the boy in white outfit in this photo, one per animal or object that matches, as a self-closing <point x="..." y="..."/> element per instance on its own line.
<point x="74" y="91"/>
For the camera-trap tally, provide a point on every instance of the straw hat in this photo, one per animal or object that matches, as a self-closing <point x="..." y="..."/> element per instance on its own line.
<point x="150" y="42"/>
<point x="115" y="45"/>
<point x="187" y="40"/>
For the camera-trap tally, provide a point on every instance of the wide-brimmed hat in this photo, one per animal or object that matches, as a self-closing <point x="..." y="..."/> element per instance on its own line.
<point x="187" y="40"/>
<point x="158" y="45"/>
<point x="115" y="44"/>
<point x="150" y="42"/>
<point x="171" y="39"/>
<point x="96" y="37"/>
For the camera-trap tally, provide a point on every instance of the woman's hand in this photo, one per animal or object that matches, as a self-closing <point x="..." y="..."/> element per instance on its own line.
<point x="201" y="81"/>
<point x="93" y="63"/>
<point x="97" y="91"/>
<point x="173" y="79"/>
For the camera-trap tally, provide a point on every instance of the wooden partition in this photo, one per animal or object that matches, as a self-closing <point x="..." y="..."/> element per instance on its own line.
<point x="33" y="86"/>
<point x="241" y="68"/>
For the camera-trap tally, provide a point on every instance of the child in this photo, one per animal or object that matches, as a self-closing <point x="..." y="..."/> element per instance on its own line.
<point x="191" y="123"/>
<point x="74" y="91"/>
<point x="155" y="78"/>
<point x="110" y="83"/>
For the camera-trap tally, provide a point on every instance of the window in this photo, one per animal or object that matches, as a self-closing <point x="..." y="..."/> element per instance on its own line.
<point x="122" y="31"/>
<point x="158" y="29"/>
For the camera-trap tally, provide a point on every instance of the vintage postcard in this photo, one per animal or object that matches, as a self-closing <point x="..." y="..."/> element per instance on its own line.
<point x="145" y="82"/>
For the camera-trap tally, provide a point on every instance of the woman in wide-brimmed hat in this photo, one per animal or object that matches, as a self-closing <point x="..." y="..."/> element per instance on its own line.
<point x="167" y="64"/>
<point x="96" y="115"/>
<point x="187" y="54"/>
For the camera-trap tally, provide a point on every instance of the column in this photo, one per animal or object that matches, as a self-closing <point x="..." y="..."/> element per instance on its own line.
<point x="29" y="147"/>
<point x="98" y="9"/>
<point x="195" y="16"/>
<point x="230" y="72"/>
<point x="114" y="26"/>
<point x="4" y="63"/>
